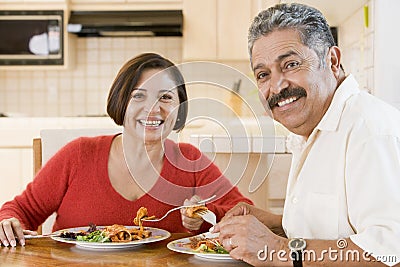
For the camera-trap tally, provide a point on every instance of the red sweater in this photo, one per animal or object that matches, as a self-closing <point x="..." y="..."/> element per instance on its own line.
<point x="75" y="184"/>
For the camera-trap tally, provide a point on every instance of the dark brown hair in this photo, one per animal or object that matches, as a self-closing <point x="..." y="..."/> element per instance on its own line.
<point x="127" y="79"/>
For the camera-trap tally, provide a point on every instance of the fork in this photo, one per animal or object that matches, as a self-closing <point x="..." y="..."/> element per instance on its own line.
<point x="41" y="236"/>
<point x="208" y="216"/>
<point x="177" y="208"/>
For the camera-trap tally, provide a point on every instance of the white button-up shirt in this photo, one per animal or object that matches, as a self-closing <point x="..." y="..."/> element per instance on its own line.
<point x="345" y="179"/>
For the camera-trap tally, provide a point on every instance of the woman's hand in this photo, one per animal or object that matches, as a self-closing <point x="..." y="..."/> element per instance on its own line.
<point x="10" y="230"/>
<point x="191" y="223"/>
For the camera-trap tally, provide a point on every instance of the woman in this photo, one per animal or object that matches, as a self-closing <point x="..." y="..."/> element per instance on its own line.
<point x="105" y="179"/>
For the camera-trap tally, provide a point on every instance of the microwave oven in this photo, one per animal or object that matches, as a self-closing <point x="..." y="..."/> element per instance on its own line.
<point x="31" y="37"/>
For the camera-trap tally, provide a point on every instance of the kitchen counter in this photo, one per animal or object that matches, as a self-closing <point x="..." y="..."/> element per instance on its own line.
<point x="19" y="132"/>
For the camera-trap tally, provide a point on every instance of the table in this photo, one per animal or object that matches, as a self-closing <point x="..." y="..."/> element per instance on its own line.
<point x="47" y="252"/>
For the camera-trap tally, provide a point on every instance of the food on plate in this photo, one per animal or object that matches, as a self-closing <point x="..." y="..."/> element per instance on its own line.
<point x="207" y="245"/>
<point x="112" y="233"/>
<point x="119" y="233"/>
<point x="140" y="215"/>
<point x="192" y="211"/>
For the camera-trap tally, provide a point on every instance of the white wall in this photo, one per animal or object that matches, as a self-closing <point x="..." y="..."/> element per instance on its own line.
<point x="387" y="56"/>
<point x="356" y="41"/>
<point x="371" y="53"/>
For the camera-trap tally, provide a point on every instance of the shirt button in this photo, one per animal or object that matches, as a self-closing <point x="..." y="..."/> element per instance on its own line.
<point x="295" y="200"/>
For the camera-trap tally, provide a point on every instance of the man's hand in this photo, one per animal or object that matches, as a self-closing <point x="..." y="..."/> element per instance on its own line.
<point x="244" y="236"/>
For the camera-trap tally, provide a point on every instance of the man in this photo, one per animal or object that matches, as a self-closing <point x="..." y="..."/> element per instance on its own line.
<point x="343" y="194"/>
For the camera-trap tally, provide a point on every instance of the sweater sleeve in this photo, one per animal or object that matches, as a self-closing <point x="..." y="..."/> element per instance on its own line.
<point x="44" y="194"/>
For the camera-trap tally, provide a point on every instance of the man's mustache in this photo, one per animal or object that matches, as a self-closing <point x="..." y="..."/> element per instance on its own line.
<point x="285" y="94"/>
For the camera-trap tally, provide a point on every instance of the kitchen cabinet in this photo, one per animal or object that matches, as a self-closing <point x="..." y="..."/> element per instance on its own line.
<point x="16" y="171"/>
<point x="199" y="30"/>
<point x="216" y="29"/>
<point x="31" y="1"/>
<point x="125" y="5"/>
<point x="232" y="26"/>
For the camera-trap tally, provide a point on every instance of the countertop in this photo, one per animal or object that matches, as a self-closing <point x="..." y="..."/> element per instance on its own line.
<point x="225" y="134"/>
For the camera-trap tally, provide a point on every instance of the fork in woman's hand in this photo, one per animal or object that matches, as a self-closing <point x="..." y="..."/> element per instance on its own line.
<point x="208" y="216"/>
<point x="178" y="208"/>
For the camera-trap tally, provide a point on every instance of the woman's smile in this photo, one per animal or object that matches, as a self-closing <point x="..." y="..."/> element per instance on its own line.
<point x="151" y="123"/>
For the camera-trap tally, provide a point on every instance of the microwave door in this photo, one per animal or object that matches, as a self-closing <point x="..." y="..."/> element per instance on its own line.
<point x="30" y="39"/>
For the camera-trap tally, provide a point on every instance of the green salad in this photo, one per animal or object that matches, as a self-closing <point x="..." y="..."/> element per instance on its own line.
<point x="95" y="236"/>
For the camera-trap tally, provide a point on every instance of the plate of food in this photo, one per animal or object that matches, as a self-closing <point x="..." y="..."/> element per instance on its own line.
<point x="110" y="237"/>
<point x="114" y="236"/>
<point x="206" y="246"/>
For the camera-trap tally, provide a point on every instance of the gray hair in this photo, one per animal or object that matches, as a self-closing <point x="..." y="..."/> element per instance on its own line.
<point x="309" y="22"/>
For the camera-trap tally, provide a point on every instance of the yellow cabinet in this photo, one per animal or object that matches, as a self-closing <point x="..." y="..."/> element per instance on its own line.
<point x="16" y="165"/>
<point x="216" y="29"/>
<point x="199" y="29"/>
<point x="126" y="4"/>
<point x="96" y="1"/>
<point x="44" y="3"/>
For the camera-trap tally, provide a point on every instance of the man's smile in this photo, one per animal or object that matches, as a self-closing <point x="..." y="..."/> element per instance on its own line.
<point x="286" y="96"/>
<point x="286" y="101"/>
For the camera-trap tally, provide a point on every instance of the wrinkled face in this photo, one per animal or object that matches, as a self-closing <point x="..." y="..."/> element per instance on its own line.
<point x="152" y="111"/>
<point x="292" y="82"/>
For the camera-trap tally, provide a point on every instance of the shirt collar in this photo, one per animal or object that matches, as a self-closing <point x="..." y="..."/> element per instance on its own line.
<point x="331" y="119"/>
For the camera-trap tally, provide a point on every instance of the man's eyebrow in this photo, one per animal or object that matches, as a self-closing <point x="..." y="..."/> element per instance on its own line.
<point x="288" y="54"/>
<point x="258" y="66"/>
<point x="278" y="59"/>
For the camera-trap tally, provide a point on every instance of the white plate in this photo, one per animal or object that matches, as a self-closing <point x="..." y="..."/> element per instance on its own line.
<point x="180" y="245"/>
<point x="156" y="235"/>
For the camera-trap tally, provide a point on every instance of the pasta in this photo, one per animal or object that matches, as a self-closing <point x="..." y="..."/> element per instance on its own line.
<point x="192" y="211"/>
<point x="119" y="233"/>
<point x="140" y="215"/>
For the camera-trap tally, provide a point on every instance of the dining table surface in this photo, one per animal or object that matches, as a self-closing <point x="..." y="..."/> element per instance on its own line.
<point x="48" y="252"/>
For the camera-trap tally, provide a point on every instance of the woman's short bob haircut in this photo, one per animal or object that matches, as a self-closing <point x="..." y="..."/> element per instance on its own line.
<point x="127" y="79"/>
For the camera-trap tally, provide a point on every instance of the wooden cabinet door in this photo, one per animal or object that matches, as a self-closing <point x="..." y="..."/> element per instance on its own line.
<point x="233" y="21"/>
<point x="16" y="167"/>
<point x="216" y="29"/>
<point x="200" y="30"/>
